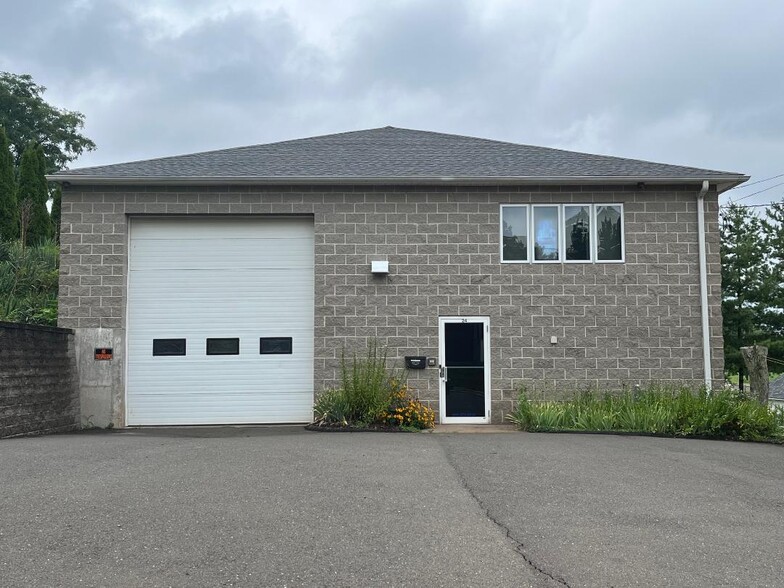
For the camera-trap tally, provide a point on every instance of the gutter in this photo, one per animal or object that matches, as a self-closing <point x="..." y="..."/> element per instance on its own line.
<point x="722" y="183"/>
<point x="705" y="309"/>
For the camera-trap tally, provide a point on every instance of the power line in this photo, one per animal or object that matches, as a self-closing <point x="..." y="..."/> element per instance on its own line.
<point x="757" y="182"/>
<point x="748" y="205"/>
<point x="760" y="191"/>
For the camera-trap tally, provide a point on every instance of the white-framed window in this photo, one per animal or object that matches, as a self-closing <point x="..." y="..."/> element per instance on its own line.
<point x="562" y="233"/>
<point x="546" y="233"/>
<point x="515" y="241"/>
<point x="578" y="233"/>
<point x="610" y="242"/>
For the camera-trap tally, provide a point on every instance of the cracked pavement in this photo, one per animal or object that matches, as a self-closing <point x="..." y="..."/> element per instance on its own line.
<point x="279" y="506"/>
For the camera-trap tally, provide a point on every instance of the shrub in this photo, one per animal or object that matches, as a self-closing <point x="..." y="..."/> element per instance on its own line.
<point x="723" y="414"/>
<point x="369" y="394"/>
<point x="406" y="411"/>
<point x="364" y="393"/>
<point x="28" y="283"/>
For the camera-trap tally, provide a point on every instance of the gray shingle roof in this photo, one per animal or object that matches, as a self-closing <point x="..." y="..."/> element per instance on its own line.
<point x="387" y="154"/>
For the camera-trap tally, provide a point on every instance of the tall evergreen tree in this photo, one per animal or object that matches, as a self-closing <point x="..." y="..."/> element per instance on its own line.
<point x="33" y="190"/>
<point x="742" y="280"/>
<point x="9" y="210"/>
<point x="773" y="239"/>
<point x="752" y="271"/>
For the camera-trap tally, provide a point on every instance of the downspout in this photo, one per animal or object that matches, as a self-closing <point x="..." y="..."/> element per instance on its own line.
<point x="706" y="349"/>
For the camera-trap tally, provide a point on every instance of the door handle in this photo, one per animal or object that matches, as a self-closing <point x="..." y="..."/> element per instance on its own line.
<point x="443" y="371"/>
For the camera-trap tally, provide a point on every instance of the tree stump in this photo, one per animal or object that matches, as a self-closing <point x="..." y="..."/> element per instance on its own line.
<point x="756" y="360"/>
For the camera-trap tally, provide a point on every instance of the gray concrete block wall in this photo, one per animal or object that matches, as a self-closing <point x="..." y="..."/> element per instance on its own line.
<point x="617" y="324"/>
<point x="38" y="386"/>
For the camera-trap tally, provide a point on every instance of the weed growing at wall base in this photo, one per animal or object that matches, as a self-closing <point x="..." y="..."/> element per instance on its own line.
<point x="724" y="414"/>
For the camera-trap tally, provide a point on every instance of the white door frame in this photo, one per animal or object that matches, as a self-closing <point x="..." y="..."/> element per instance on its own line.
<point x="442" y="321"/>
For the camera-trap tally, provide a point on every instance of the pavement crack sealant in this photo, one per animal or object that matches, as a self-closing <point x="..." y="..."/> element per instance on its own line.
<point x="519" y="546"/>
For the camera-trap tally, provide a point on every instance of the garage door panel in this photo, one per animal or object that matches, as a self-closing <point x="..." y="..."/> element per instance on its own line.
<point x="195" y="279"/>
<point x="219" y="278"/>
<point x="196" y="347"/>
<point x="200" y="376"/>
<point x="260" y="296"/>
<point x="216" y="227"/>
<point x="214" y="319"/>
<point x="212" y="254"/>
<point x="209" y="408"/>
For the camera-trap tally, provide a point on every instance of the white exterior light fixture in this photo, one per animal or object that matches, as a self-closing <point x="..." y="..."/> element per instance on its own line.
<point x="379" y="267"/>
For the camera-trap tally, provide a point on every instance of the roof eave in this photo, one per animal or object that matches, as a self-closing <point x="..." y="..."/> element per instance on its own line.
<point x="722" y="183"/>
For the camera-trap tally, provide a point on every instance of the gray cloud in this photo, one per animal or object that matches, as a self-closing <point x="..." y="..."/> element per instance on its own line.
<point x="669" y="81"/>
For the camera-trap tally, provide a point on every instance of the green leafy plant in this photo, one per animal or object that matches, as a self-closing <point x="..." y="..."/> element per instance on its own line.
<point x="366" y="383"/>
<point x="405" y="411"/>
<point x="550" y="418"/>
<point x="364" y="393"/>
<point x="523" y="415"/>
<point x="722" y="414"/>
<point x="371" y="393"/>
<point x="331" y="408"/>
<point x="28" y="282"/>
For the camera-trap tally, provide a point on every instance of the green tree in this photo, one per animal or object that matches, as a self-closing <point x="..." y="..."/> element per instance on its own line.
<point x="752" y="276"/>
<point x="9" y="210"/>
<point x="33" y="195"/>
<point x="772" y="224"/>
<point x="28" y="118"/>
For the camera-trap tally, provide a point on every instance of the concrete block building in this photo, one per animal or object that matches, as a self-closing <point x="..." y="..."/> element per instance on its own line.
<point x="222" y="287"/>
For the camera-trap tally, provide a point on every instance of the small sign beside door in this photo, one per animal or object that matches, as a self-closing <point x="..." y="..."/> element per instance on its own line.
<point x="104" y="353"/>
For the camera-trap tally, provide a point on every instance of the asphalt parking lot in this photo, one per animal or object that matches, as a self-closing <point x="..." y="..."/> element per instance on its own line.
<point x="280" y="506"/>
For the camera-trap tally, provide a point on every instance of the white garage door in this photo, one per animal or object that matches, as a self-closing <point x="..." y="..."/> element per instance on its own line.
<point x="220" y="321"/>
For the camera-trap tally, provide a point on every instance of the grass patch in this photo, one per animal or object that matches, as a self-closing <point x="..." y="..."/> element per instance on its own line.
<point x="725" y="414"/>
<point x="735" y="379"/>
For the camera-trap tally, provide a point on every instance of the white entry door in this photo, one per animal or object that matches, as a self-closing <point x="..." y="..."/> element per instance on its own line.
<point x="464" y="358"/>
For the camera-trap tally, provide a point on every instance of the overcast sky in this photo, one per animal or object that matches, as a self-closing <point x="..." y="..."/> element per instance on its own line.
<point x="679" y="81"/>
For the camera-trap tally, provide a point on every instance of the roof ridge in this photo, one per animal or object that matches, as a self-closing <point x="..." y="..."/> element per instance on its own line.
<point x="393" y="152"/>
<point x="222" y="150"/>
<point x="561" y="150"/>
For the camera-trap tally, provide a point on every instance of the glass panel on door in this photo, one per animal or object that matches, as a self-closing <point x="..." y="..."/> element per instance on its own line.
<point x="464" y="371"/>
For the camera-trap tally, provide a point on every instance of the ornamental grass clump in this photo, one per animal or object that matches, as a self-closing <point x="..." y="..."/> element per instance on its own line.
<point x="722" y="414"/>
<point x="366" y="383"/>
<point x="364" y="393"/>
<point x="331" y="408"/>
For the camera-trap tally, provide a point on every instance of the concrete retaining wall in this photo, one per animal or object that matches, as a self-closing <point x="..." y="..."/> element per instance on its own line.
<point x="38" y="381"/>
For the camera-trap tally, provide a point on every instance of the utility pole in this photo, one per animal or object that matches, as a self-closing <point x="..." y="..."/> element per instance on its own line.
<point x="756" y="360"/>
